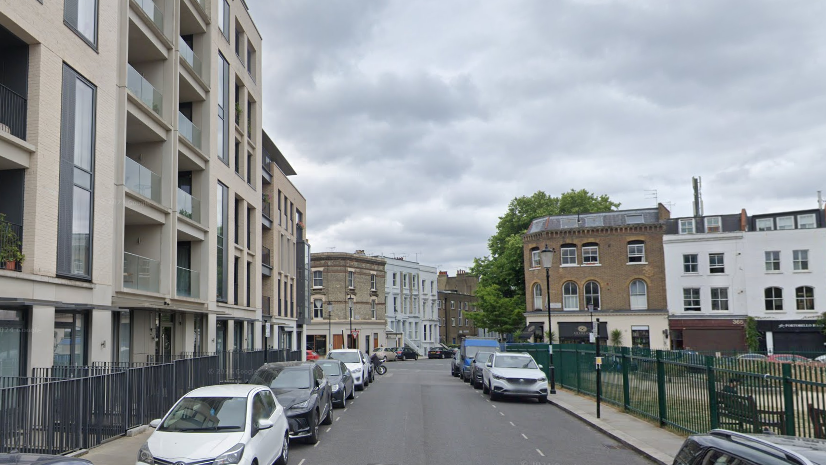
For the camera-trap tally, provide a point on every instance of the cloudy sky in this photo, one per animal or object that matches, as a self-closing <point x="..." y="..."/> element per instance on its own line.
<point x="412" y="124"/>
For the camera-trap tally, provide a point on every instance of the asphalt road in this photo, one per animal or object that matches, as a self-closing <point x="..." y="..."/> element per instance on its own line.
<point x="418" y="414"/>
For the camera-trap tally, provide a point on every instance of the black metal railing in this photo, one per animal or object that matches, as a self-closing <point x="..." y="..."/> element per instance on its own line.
<point x="266" y="256"/>
<point x="13" y="112"/>
<point x="11" y="238"/>
<point x="266" y="207"/>
<point x="266" y="161"/>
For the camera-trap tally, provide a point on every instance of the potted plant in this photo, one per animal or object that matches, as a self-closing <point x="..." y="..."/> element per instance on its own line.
<point x="10" y="252"/>
<point x="616" y="338"/>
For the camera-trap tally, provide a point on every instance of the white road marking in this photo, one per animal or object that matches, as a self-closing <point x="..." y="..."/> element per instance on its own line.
<point x="301" y="462"/>
<point x="540" y="453"/>
<point x="357" y="397"/>
<point x="511" y="423"/>
<point x="345" y="409"/>
<point x="328" y="429"/>
<point x="493" y="406"/>
<point x="487" y="400"/>
<point x="338" y="418"/>
<point x="501" y="413"/>
<point x="316" y="444"/>
<point x="523" y="435"/>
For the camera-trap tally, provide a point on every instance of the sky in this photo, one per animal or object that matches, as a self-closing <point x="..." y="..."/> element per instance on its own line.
<point x="412" y="124"/>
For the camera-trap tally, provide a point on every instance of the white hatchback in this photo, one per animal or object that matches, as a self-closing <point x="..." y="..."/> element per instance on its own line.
<point x="221" y="425"/>
<point x="354" y="360"/>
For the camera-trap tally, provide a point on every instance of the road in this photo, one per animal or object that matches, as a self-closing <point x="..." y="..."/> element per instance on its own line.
<point x="417" y="414"/>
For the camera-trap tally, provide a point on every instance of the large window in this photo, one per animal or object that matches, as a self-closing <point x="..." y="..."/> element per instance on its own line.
<point x="70" y="339"/>
<point x="318" y="308"/>
<point x="13" y="343"/>
<point x="372" y="282"/>
<point x="221" y="255"/>
<point x="636" y="252"/>
<point x="568" y="252"/>
<point x="351" y="279"/>
<point x="805" y="298"/>
<point x="774" y="299"/>
<point x="719" y="298"/>
<point x="537" y="297"/>
<point x="590" y="254"/>
<point x="570" y="296"/>
<point x="82" y="17"/>
<point x="691" y="299"/>
<point x="223" y="108"/>
<point x="687" y="226"/>
<point x="690" y="263"/>
<point x="640" y="337"/>
<point x="77" y="148"/>
<point x="223" y="18"/>
<point x="806" y="221"/>
<point x="713" y="224"/>
<point x="592" y="295"/>
<point x="785" y="222"/>
<point x="765" y="224"/>
<point x="773" y="260"/>
<point x="639" y="295"/>
<point x="535" y="261"/>
<point x="801" y="260"/>
<point x="716" y="263"/>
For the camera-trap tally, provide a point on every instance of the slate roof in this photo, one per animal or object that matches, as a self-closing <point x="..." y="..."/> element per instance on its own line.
<point x="595" y="220"/>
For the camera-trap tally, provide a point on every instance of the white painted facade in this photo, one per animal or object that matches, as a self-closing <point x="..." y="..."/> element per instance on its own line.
<point x="412" y="294"/>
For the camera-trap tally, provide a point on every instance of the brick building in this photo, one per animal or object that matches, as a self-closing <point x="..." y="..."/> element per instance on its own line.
<point x="336" y="277"/>
<point x="609" y="262"/>
<point x="457" y="297"/>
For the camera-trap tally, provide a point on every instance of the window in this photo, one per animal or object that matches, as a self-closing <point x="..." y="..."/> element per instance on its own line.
<point x="251" y="60"/>
<point x="568" y="254"/>
<point x="453" y="322"/>
<point x="250" y="168"/>
<point x="570" y="296"/>
<point x="395" y="304"/>
<point x="535" y="262"/>
<point x="805" y="298"/>
<point x="431" y="287"/>
<point x="801" y="260"/>
<point x="639" y="295"/>
<point x="687" y="226"/>
<point x="82" y="17"/>
<point x="394" y="279"/>
<point x="774" y="298"/>
<point x="223" y="108"/>
<point x="764" y="224"/>
<point x="806" y="221"/>
<point x="636" y="252"/>
<point x="373" y="308"/>
<point x="785" y="222"/>
<point x="592" y="295"/>
<point x="537" y="297"/>
<point x="70" y="338"/>
<point x="452" y="305"/>
<point x="372" y="282"/>
<point x="223" y="18"/>
<point x="719" y="298"/>
<point x="714" y="224"/>
<point x="590" y="254"/>
<point x="691" y="299"/>
<point x="633" y="219"/>
<point x="716" y="263"/>
<point x="222" y="256"/>
<point x="404" y="280"/>
<point x="318" y="278"/>
<point x="640" y="337"/>
<point x="318" y="308"/>
<point x="690" y="264"/>
<point x="76" y="182"/>
<point x="351" y="279"/>
<point x="773" y="260"/>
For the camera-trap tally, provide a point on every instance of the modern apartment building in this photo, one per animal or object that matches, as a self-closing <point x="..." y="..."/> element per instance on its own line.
<point x="457" y="297"/>
<point x="348" y="302"/>
<point x="411" y="294"/>
<point x="130" y="144"/>
<point x="607" y="265"/>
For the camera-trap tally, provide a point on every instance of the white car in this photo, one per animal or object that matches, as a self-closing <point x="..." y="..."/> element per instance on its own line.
<point x="354" y="360"/>
<point x="228" y="424"/>
<point x="514" y="374"/>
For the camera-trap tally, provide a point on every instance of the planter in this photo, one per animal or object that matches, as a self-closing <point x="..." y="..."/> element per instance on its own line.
<point x="11" y="266"/>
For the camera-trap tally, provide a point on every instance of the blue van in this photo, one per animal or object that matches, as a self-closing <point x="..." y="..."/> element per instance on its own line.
<point x="468" y="349"/>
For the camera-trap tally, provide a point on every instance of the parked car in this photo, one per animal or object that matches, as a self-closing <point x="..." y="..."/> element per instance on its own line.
<point x="514" y="374"/>
<point x="788" y="358"/>
<point x="751" y="357"/>
<point x="456" y="364"/>
<point x="439" y="352"/>
<point x="352" y="358"/>
<point x="371" y="376"/>
<point x="477" y="366"/>
<point x="340" y="379"/>
<point x="305" y="393"/>
<point x="469" y="347"/>
<point x="40" y="459"/>
<point x="406" y="353"/>
<point x="821" y="359"/>
<point x="311" y="355"/>
<point x="385" y="353"/>
<point x="728" y="447"/>
<point x="231" y="423"/>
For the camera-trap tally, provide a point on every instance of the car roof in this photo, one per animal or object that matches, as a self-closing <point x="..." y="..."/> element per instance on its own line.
<point x="812" y="449"/>
<point x="223" y="390"/>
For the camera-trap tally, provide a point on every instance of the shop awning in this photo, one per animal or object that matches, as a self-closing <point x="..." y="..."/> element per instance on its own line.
<point x="532" y="330"/>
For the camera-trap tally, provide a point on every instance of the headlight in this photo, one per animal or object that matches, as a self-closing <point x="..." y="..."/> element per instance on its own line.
<point x="541" y="380"/>
<point x="357" y="370"/>
<point x="495" y="376"/>
<point x="335" y="387"/>
<point x="233" y="455"/>
<point x="301" y="404"/>
<point x="144" y="456"/>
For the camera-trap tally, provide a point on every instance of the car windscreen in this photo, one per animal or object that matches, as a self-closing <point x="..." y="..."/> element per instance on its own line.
<point x="470" y="351"/>
<point x="204" y="414"/>
<point x="514" y="361"/>
<point x="292" y="378"/>
<point x="482" y="357"/>
<point x="346" y="357"/>
<point x="332" y="368"/>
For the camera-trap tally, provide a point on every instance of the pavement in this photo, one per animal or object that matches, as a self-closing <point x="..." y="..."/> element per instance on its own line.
<point x="419" y="414"/>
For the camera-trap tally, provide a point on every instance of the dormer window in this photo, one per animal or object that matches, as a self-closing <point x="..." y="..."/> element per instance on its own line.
<point x="687" y="226"/>
<point x="764" y="224"/>
<point x="806" y="221"/>
<point x="714" y="224"/>
<point x="785" y="222"/>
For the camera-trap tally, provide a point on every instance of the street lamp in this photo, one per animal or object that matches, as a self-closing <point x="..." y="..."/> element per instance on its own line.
<point x="546" y="255"/>
<point x="329" y="325"/>
<point x="350" y="304"/>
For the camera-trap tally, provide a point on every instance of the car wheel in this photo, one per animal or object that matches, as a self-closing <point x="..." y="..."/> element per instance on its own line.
<point x="285" y="451"/>
<point x="477" y="385"/>
<point x="485" y="389"/>
<point x="360" y="387"/>
<point x="343" y="403"/>
<point x="352" y="393"/>
<point x="493" y="395"/>
<point x="465" y="379"/>
<point x="328" y="420"/>
<point x="542" y="399"/>
<point x="313" y="438"/>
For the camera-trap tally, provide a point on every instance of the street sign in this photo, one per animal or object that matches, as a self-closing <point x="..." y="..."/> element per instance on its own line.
<point x="267" y="330"/>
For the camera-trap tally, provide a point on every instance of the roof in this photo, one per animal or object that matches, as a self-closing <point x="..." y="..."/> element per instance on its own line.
<point x="596" y="220"/>
<point x="223" y="390"/>
<point x="271" y="150"/>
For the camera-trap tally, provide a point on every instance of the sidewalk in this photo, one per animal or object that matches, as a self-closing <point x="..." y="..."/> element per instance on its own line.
<point x="120" y="451"/>
<point x="655" y="443"/>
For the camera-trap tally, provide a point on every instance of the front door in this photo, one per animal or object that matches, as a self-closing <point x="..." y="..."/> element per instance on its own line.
<point x="12" y="355"/>
<point x="338" y="341"/>
<point x="164" y="342"/>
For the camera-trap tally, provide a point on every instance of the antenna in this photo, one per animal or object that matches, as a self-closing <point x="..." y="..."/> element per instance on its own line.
<point x="652" y="194"/>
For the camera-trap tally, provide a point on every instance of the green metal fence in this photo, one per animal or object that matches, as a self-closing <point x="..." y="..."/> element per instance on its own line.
<point x="691" y="393"/>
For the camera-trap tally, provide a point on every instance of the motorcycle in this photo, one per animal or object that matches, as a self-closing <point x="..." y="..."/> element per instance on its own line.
<point x="380" y="368"/>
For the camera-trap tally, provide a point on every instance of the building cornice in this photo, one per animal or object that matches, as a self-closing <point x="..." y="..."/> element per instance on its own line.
<point x="596" y="231"/>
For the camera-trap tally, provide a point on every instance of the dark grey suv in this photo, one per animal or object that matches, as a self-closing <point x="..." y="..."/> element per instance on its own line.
<point x="727" y="447"/>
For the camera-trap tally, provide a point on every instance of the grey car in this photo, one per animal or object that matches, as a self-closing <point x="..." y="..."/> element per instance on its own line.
<point x="456" y="364"/>
<point x="341" y="380"/>
<point x="477" y="365"/>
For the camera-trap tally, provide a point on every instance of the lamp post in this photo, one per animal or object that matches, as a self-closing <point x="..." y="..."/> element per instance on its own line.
<point x="546" y="255"/>
<point x="350" y="305"/>
<point x="329" y="326"/>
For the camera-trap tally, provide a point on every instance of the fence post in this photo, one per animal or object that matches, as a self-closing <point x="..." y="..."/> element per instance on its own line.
<point x="661" y="388"/>
<point x="788" y="398"/>
<point x="578" y="377"/>
<point x="626" y="388"/>
<point x="712" y="392"/>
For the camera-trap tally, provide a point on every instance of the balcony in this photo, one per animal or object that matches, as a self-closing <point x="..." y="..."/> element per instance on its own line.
<point x="189" y="283"/>
<point x="143" y="89"/>
<point x="13" y="112"/>
<point x="188" y="129"/>
<point x="266" y="212"/>
<point x="189" y="206"/>
<point x="190" y="57"/>
<point x="266" y="261"/>
<point x="141" y="273"/>
<point x="155" y="14"/>
<point x="11" y="245"/>
<point x="142" y="181"/>
<point x="266" y="306"/>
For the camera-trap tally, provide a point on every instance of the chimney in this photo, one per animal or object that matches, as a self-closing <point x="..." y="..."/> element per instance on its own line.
<point x="744" y="220"/>
<point x="360" y="252"/>
<point x="443" y="273"/>
<point x="819" y="200"/>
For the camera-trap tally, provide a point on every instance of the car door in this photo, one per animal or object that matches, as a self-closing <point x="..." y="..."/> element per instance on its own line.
<point x="486" y="369"/>
<point x="323" y="392"/>
<point x="279" y="421"/>
<point x="347" y="377"/>
<point x="260" y="443"/>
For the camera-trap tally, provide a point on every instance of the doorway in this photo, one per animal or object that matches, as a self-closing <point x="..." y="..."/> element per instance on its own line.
<point x="13" y="343"/>
<point x="69" y="339"/>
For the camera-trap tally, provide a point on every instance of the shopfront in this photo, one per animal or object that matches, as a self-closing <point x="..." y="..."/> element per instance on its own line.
<point x="579" y="332"/>
<point x="781" y="336"/>
<point x="708" y="334"/>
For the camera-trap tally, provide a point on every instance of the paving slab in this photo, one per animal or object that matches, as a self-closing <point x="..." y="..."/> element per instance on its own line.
<point x="120" y="451"/>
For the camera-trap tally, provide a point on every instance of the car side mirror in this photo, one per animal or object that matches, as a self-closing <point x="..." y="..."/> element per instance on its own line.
<point x="489" y="365"/>
<point x="540" y="366"/>
<point x="264" y="424"/>
<point x="155" y="423"/>
<point x="317" y="382"/>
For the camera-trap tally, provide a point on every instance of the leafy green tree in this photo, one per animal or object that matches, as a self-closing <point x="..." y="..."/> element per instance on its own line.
<point x="497" y="313"/>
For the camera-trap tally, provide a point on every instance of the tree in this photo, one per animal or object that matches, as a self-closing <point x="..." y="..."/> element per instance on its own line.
<point x="497" y="313"/>
<point x="752" y="334"/>
<point x="502" y="273"/>
<point x="616" y="338"/>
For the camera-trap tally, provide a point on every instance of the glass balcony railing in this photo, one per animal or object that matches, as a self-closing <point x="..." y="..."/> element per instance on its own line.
<point x="141" y="273"/>
<point x="144" y="90"/>
<point x="266" y="207"/>
<point x="188" y="129"/>
<point x="189" y="206"/>
<point x="189" y="283"/>
<point x="152" y="10"/>
<point x="190" y="56"/>
<point x="142" y="180"/>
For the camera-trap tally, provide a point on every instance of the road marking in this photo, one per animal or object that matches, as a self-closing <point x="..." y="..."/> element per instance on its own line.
<point x="502" y="413"/>
<point x="357" y="397"/>
<point x="511" y="423"/>
<point x="316" y="444"/>
<point x="487" y="400"/>
<point x="328" y="429"/>
<point x="540" y="453"/>
<point x="523" y="435"/>
<point x="301" y="462"/>
<point x="338" y="418"/>
<point x="345" y="409"/>
<point x="492" y="405"/>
